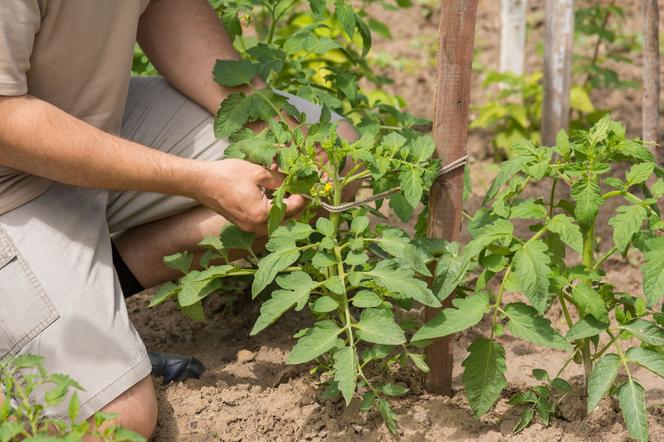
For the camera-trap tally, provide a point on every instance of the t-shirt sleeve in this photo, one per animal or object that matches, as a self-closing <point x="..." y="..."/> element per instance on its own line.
<point x="19" y="23"/>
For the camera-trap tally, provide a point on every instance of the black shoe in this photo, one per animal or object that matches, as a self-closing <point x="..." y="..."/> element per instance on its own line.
<point x="175" y="367"/>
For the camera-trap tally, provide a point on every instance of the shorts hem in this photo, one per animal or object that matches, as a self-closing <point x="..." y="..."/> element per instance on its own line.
<point x="121" y="384"/>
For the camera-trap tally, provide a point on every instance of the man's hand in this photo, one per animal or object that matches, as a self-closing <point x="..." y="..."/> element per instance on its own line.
<point x="235" y="189"/>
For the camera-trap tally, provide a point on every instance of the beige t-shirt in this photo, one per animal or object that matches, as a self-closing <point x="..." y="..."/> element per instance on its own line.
<point x="74" y="54"/>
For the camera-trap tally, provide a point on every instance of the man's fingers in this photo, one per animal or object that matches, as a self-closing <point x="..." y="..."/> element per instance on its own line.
<point x="270" y="179"/>
<point x="294" y="205"/>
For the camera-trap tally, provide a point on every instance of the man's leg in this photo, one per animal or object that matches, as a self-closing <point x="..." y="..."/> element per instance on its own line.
<point x="148" y="235"/>
<point x="61" y="300"/>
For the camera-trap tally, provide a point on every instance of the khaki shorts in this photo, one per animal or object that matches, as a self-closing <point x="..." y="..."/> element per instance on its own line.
<point x="59" y="293"/>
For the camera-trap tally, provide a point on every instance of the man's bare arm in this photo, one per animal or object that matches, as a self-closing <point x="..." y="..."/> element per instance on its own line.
<point x="40" y="139"/>
<point x="184" y="39"/>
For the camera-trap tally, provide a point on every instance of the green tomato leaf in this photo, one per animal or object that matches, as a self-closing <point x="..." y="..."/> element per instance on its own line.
<point x="524" y="322"/>
<point x="232" y="115"/>
<point x="345" y="372"/>
<point x="325" y="226"/>
<point x="335" y="285"/>
<point x="627" y="223"/>
<point x="378" y="326"/>
<point x="588" y="197"/>
<point x="280" y="302"/>
<point x="401" y="207"/>
<point x="285" y="236"/>
<point x="632" y="399"/>
<point x="397" y="244"/>
<point x="586" y="327"/>
<point x="639" y="173"/>
<point x="233" y="73"/>
<point x="214" y="272"/>
<point x="484" y="374"/>
<point x="271" y="265"/>
<point x="194" y="312"/>
<point x="450" y="271"/>
<point x="653" y="275"/>
<point x="318" y="7"/>
<point x="528" y="209"/>
<point x="525" y="420"/>
<point x="346" y="17"/>
<point x="74" y="407"/>
<point x="359" y="224"/>
<point x="507" y="171"/>
<point x="179" y="261"/>
<point x="365" y="33"/>
<point x="232" y="237"/>
<point x="388" y="415"/>
<point x="354" y="258"/>
<point x="468" y="312"/>
<point x="366" y="299"/>
<point x="401" y="280"/>
<point x="645" y="331"/>
<point x="649" y="359"/>
<point x="255" y="150"/>
<point x="601" y="379"/>
<point x="164" y="293"/>
<point x="193" y="289"/>
<point x="412" y="185"/>
<point x="323" y="260"/>
<point x="532" y="269"/>
<point x="590" y="302"/>
<point x="498" y="232"/>
<point x="420" y="362"/>
<point x="324" y="304"/>
<point x="422" y="148"/>
<point x="316" y="341"/>
<point x="567" y="231"/>
<point x="394" y="390"/>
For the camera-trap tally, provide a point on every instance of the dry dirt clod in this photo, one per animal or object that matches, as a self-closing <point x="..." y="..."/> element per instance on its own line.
<point x="244" y="356"/>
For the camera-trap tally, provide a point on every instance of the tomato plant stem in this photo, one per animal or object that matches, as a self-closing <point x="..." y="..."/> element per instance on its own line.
<point x="499" y="300"/>
<point x="588" y="262"/>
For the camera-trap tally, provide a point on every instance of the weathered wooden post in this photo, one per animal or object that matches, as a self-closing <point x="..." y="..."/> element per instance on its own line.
<point x="650" y="99"/>
<point x="558" y="40"/>
<point x="450" y="128"/>
<point x="512" y="35"/>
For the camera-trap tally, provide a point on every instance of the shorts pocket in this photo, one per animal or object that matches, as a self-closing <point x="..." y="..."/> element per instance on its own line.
<point x="25" y="309"/>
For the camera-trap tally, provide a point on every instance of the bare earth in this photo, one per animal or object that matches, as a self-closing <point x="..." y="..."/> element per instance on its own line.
<point x="249" y="394"/>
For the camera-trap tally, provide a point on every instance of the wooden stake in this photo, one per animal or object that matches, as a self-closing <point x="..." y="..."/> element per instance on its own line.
<point x="650" y="99"/>
<point x="512" y="35"/>
<point x="558" y="39"/>
<point x="450" y="129"/>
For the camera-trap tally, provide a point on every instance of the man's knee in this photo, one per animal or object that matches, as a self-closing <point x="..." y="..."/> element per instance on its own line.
<point x="136" y="408"/>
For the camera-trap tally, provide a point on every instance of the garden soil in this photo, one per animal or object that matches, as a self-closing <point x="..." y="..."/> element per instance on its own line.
<point x="249" y="394"/>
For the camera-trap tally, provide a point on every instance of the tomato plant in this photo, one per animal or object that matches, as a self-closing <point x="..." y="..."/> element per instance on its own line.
<point x="360" y="282"/>
<point x="554" y="259"/>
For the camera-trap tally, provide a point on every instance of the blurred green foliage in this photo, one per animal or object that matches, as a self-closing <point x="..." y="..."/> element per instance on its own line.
<point x="22" y="378"/>
<point x="513" y="110"/>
